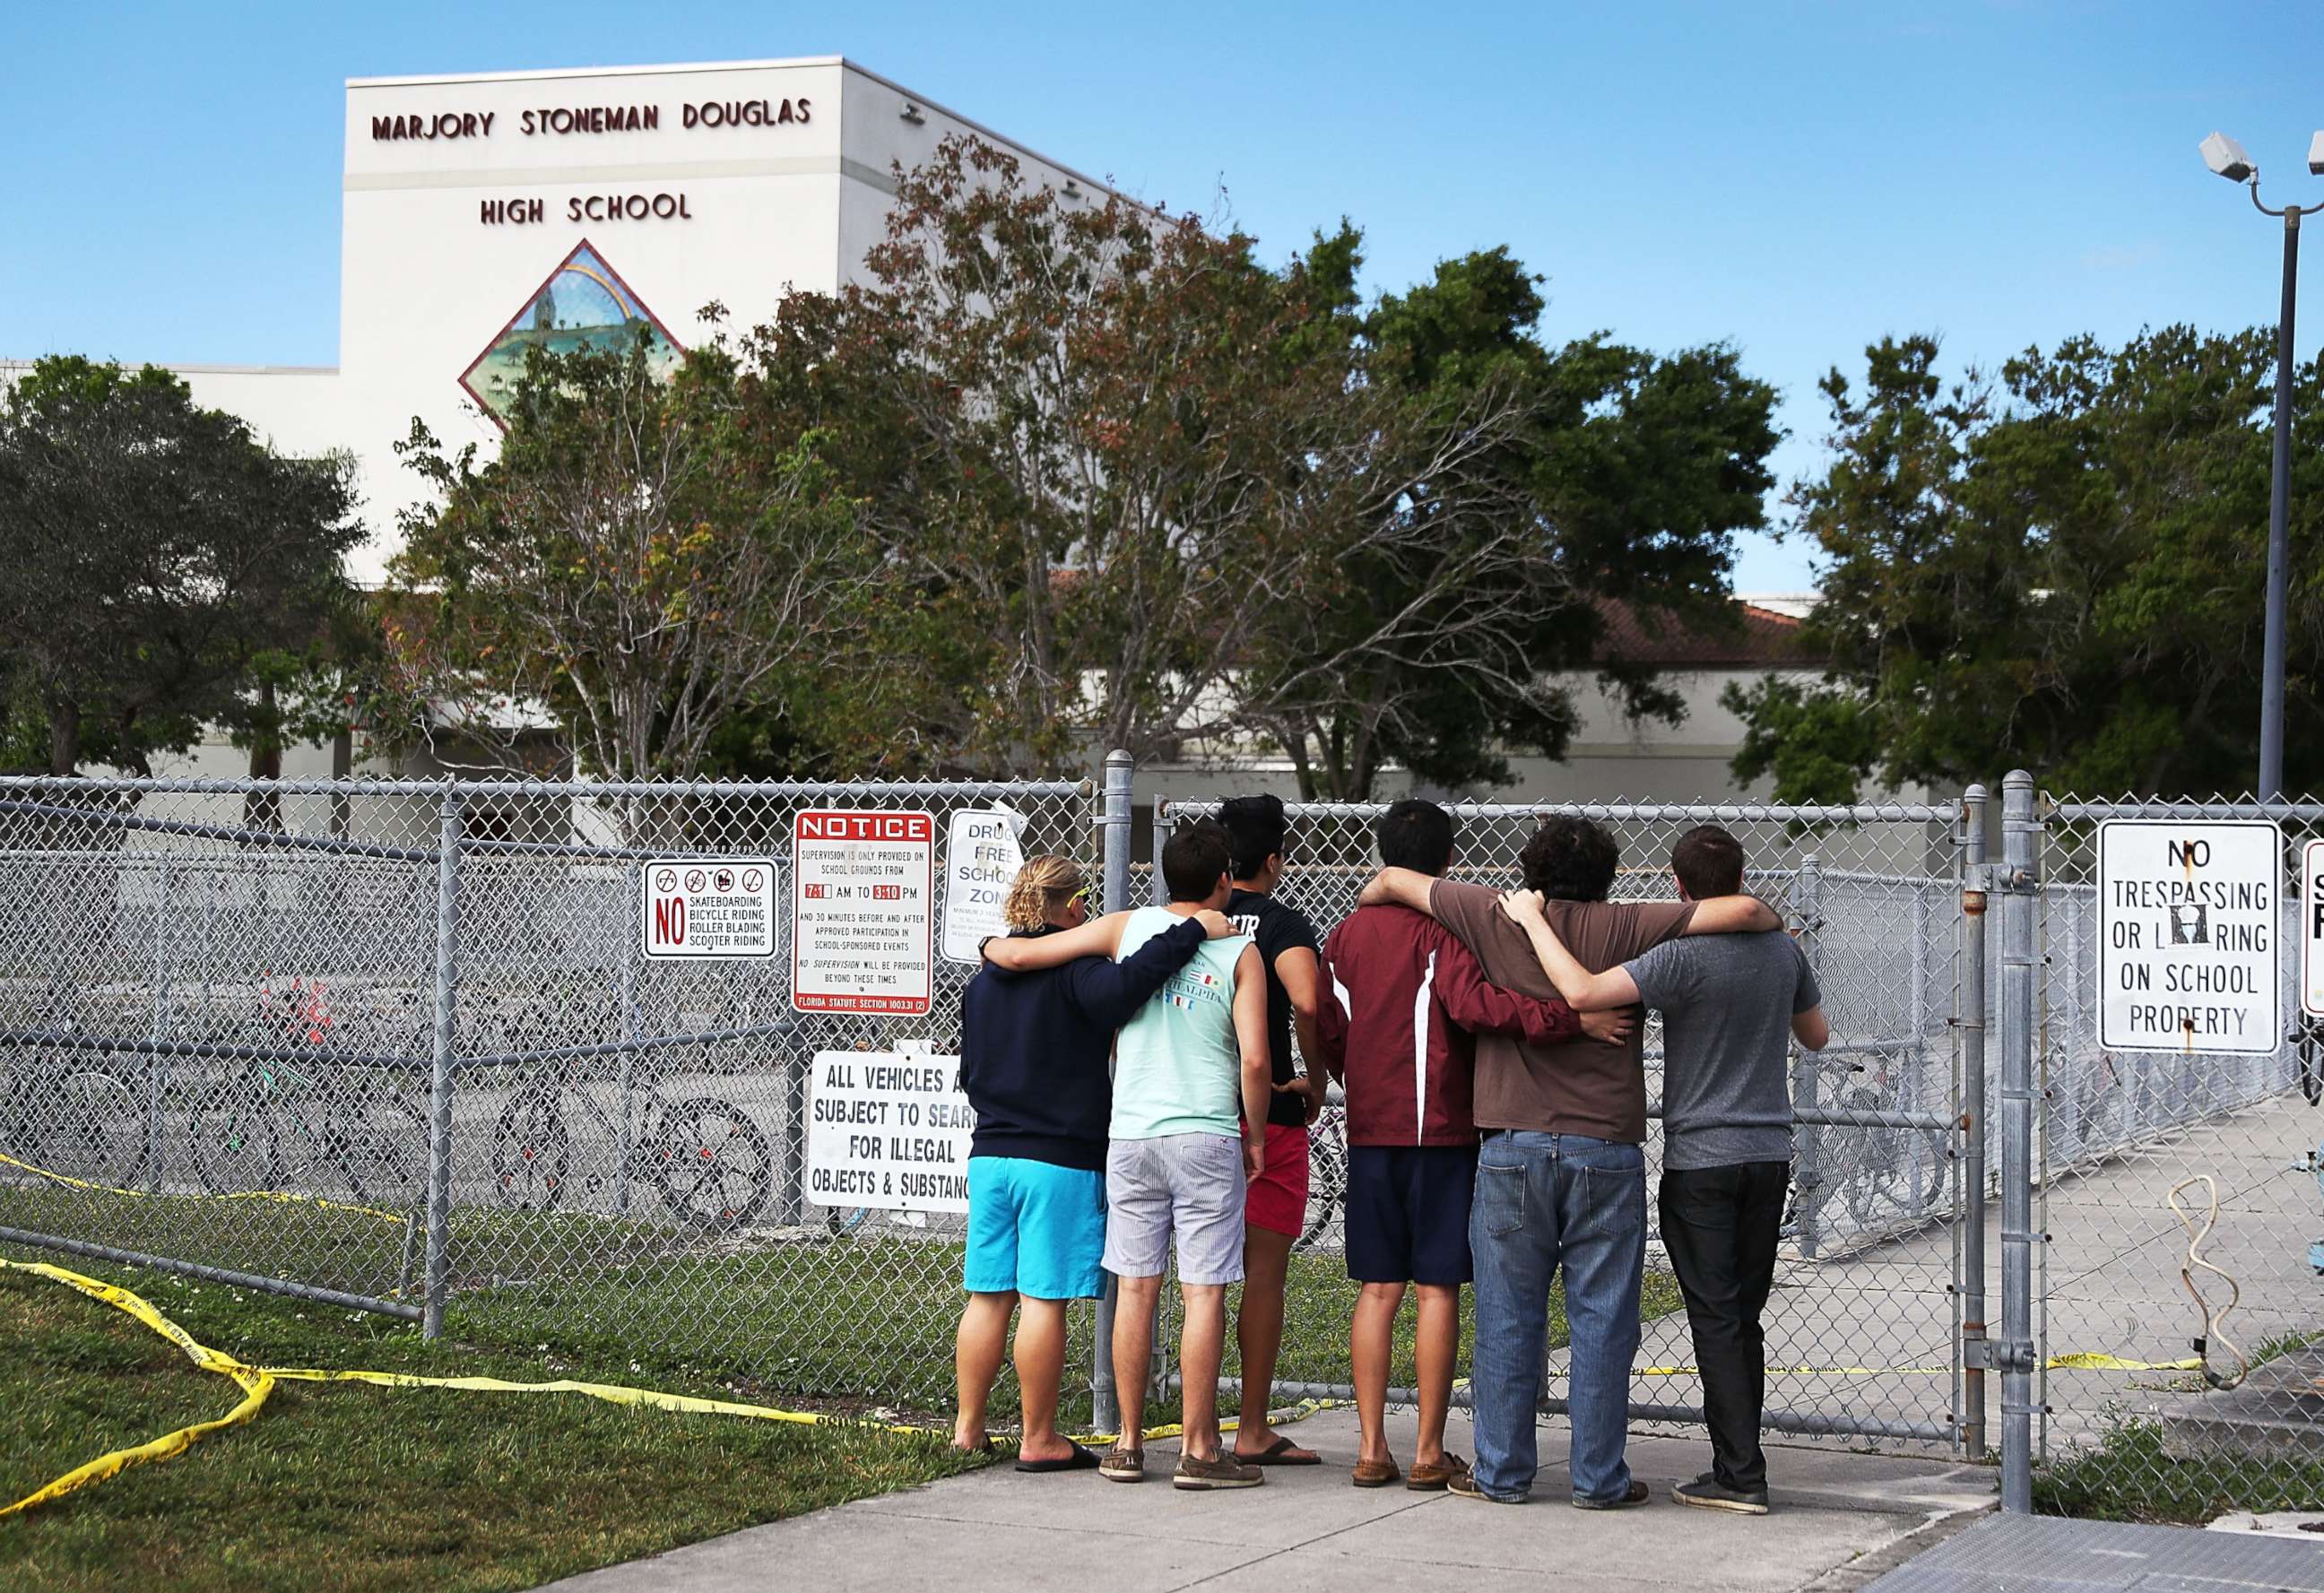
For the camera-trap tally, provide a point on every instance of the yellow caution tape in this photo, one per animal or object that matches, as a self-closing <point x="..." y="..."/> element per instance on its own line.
<point x="239" y="1194"/>
<point x="258" y="1382"/>
<point x="2091" y="1361"/>
<point x="255" y="1386"/>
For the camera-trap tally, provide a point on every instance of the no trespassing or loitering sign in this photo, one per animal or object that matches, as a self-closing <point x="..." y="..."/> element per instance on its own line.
<point x="2191" y="926"/>
<point x="707" y="906"/>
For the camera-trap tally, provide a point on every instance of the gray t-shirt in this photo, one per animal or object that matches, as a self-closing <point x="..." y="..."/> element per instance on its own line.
<point x="1727" y="1002"/>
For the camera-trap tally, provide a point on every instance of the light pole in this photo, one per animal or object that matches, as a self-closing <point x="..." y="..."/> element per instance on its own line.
<point x="2226" y="157"/>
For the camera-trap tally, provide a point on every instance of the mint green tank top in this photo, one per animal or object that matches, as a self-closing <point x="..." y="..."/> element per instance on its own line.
<point x="1177" y="1069"/>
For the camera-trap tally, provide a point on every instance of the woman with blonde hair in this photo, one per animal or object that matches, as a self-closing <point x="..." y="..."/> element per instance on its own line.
<point x="1035" y="1050"/>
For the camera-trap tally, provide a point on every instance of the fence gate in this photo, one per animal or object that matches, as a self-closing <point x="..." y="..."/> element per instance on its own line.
<point x="1879" y="1276"/>
<point x="2124" y="1404"/>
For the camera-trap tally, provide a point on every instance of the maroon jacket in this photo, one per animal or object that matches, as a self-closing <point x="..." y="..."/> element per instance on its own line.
<point x="1407" y="996"/>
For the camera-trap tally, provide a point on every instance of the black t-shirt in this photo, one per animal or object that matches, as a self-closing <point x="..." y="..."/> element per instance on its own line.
<point x="1276" y="929"/>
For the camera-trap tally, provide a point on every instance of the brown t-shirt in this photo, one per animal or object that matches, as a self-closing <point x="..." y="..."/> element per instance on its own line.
<point x="1577" y="1086"/>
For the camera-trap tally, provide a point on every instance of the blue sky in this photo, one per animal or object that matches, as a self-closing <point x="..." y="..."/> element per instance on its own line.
<point x="1797" y="177"/>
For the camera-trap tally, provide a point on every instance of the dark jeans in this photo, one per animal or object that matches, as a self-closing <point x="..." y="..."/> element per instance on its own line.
<point x="1720" y="1226"/>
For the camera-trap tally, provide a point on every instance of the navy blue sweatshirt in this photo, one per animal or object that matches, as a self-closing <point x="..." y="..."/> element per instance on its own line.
<point x="1035" y="1048"/>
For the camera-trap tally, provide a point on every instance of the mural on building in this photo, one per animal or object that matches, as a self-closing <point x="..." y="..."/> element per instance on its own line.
<point x="583" y="303"/>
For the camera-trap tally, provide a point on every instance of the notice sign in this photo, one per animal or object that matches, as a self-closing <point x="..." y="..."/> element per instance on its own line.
<point x="981" y="859"/>
<point x="888" y="1130"/>
<point x="2190" y="920"/>
<point x="707" y="907"/>
<point x="864" y="883"/>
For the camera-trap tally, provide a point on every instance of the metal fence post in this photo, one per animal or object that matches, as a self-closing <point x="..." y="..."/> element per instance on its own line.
<point x="1120" y="774"/>
<point x="157" y="1065"/>
<point x="1970" y="1020"/>
<point x="1807" y="901"/>
<point x="439" y="1090"/>
<point x="2020" y="880"/>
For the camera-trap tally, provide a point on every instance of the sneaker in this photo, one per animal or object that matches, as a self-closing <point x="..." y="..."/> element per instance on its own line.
<point x="1225" y="1472"/>
<point x="1123" y="1466"/>
<point x="1462" y="1485"/>
<point x="1636" y="1494"/>
<point x="1708" y="1493"/>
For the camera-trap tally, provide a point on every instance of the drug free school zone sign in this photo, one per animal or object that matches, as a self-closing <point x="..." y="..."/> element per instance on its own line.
<point x="2191" y="936"/>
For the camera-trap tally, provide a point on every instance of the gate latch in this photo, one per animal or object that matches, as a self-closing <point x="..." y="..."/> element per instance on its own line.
<point x="1999" y="1355"/>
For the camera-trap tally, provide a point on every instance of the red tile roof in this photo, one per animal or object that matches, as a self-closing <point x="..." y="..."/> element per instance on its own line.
<point x="1760" y="639"/>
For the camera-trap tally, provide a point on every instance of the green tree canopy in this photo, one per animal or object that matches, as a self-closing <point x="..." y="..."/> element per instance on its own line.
<point x="152" y="553"/>
<point x="638" y="564"/>
<point x="2063" y="570"/>
<point x="1619" y="476"/>
<point x="1132" y="485"/>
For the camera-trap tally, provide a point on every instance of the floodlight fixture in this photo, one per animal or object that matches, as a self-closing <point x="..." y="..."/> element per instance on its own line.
<point x="2226" y="157"/>
<point x="2315" y="156"/>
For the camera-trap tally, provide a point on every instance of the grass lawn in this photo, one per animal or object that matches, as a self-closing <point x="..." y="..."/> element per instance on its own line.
<point x="349" y="1486"/>
<point x="863" y="1322"/>
<point x="2129" y="1477"/>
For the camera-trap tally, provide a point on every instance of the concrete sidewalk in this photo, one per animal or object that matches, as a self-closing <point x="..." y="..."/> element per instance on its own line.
<point x="1839" y="1520"/>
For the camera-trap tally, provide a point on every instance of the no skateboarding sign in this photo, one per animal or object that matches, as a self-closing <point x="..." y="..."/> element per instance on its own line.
<point x="707" y="907"/>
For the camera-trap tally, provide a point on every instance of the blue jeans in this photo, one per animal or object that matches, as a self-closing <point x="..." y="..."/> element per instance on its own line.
<point x="1545" y="1200"/>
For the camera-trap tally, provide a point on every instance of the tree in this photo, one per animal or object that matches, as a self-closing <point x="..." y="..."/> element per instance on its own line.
<point x="151" y="551"/>
<point x="1620" y="476"/>
<point x="2061" y="571"/>
<point x="634" y="564"/>
<point x="1087" y="444"/>
<point x="1133" y="486"/>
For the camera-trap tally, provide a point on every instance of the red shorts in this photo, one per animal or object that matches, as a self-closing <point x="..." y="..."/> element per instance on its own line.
<point x="1277" y="1201"/>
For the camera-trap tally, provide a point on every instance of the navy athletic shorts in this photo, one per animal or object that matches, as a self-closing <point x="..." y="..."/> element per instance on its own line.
<point x="1407" y="1212"/>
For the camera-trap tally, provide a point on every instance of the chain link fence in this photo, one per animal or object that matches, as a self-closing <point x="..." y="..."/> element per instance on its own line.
<point x="229" y="1015"/>
<point x="2142" y="1402"/>
<point x="396" y="1044"/>
<point x="1863" y="1327"/>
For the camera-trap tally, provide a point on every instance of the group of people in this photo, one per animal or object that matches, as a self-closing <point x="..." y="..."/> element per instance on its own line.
<point x="1134" y="1084"/>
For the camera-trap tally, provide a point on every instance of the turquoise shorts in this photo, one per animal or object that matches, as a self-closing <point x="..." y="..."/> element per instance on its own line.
<point x="1035" y="1229"/>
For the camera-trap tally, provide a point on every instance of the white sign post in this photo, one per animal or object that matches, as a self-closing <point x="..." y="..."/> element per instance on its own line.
<point x="864" y="883"/>
<point x="2311" y="929"/>
<point x="707" y="907"/>
<point x="2190" y="925"/>
<point x="981" y="859"/>
<point x="888" y="1130"/>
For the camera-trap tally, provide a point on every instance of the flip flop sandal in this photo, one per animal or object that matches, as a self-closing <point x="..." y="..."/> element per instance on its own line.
<point x="1282" y="1453"/>
<point x="1081" y="1459"/>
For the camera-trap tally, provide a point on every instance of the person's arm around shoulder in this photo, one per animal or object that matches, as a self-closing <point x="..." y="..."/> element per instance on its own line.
<point x="1484" y="1007"/>
<point x="1109" y="993"/>
<point x="1584" y="990"/>
<point x="1250" y="1037"/>
<point x="1022" y="953"/>
<point x="1732" y="914"/>
<point x="1399" y="887"/>
<point x="1808" y="1025"/>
